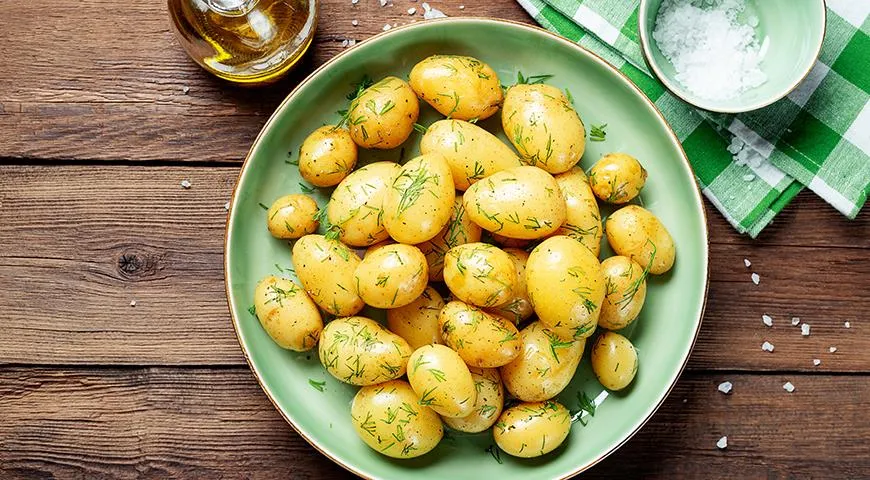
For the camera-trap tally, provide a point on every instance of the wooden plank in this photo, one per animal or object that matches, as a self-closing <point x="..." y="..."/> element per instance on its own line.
<point x="72" y="90"/>
<point x="159" y="422"/>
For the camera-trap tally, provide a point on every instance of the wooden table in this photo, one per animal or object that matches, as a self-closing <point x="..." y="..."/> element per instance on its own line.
<point x="96" y="134"/>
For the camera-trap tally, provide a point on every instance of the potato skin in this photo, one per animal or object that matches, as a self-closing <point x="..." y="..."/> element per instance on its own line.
<point x="442" y="381"/>
<point x="472" y="152"/>
<point x="392" y="276"/>
<point x="532" y="429"/>
<point x="625" y="292"/>
<point x="566" y="287"/>
<point x="545" y="366"/>
<point x="287" y="314"/>
<point x="636" y="233"/>
<point x="617" y="178"/>
<point x="458" y="231"/>
<point x="418" y="427"/>
<point x="419" y="202"/>
<point x="417" y="322"/>
<point x="457" y="86"/>
<point x="481" y="339"/>
<point x="518" y="307"/>
<point x="544" y="127"/>
<point x="327" y="156"/>
<point x="480" y="274"/>
<point x="582" y="216"/>
<point x="614" y="361"/>
<point x="326" y="270"/>
<point x="359" y="351"/>
<point x="357" y="204"/>
<point x="522" y="202"/>
<point x="292" y="216"/>
<point x="489" y="404"/>
<point x="384" y="114"/>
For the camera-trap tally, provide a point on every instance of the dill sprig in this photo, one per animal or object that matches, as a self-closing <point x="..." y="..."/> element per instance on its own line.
<point x="495" y="452"/>
<point x="598" y="133"/>
<point x="632" y="289"/>
<point x="531" y="80"/>
<point x="317" y="385"/>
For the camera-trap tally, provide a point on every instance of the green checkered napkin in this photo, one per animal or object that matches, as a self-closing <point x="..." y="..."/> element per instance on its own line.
<point x="818" y="136"/>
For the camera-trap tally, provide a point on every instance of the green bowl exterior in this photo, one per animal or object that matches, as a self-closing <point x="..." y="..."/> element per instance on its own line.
<point x="664" y="334"/>
<point x="796" y="29"/>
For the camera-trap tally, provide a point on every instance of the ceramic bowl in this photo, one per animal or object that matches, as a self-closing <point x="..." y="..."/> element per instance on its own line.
<point x="795" y="28"/>
<point x="664" y="334"/>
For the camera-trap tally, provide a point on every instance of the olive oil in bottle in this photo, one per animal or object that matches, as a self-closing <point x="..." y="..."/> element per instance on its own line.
<point x="245" y="41"/>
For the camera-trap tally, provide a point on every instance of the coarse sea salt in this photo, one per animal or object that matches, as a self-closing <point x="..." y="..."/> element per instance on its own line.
<point x="722" y="443"/>
<point x="747" y="262"/>
<point x="714" y="55"/>
<point x="767" y="320"/>
<point x="756" y="278"/>
<point x="795" y="321"/>
<point x="725" y="387"/>
<point x="805" y="329"/>
<point x="817" y="362"/>
<point x="788" y="387"/>
<point x="847" y="324"/>
<point x="767" y="346"/>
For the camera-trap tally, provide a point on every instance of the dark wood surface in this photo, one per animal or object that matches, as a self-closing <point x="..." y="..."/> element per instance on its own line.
<point x="97" y="136"/>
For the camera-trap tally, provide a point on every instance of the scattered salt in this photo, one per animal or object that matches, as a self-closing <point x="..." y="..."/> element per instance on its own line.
<point x="354" y="22"/>
<point x="185" y="89"/>
<point x="132" y="303"/>
<point x="462" y="7"/>
<point x="748" y="177"/>
<point x="344" y="43"/>
<point x="847" y="324"/>
<point x="722" y="443"/>
<point x="795" y="321"/>
<point x="805" y="329"/>
<point x="788" y="387"/>
<point x="767" y="320"/>
<point x="755" y="278"/>
<point x="714" y="55"/>
<point x="429" y="13"/>
<point x="725" y="387"/>
<point x="817" y="362"/>
<point x="832" y="349"/>
<point x="747" y="262"/>
<point x="387" y="27"/>
<point x="412" y="10"/>
<point x="354" y="2"/>
<point x="743" y="154"/>
<point x="767" y="346"/>
<point x="185" y="184"/>
<point x="227" y="206"/>
<point x="383" y="3"/>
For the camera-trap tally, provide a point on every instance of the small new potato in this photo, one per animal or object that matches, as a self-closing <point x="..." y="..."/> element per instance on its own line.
<point x="357" y="204"/>
<point x="417" y="322"/>
<point x="489" y="404"/>
<point x="566" y="287"/>
<point x="543" y="126"/>
<point x="617" y="178"/>
<point x="472" y="152"/>
<point x="383" y="115"/>
<point x="522" y="202"/>
<point x="480" y="274"/>
<point x="359" y="351"/>
<point x="458" y="231"/>
<point x="292" y="216"/>
<point x="625" y="292"/>
<point x="419" y="202"/>
<point x="518" y="307"/>
<point x="327" y="156"/>
<point x="481" y="339"/>
<point x="392" y="276"/>
<point x="442" y="381"/>
<point x="614" y="361"/>
<point x="287" y="314"/>
<point x="583" y="218"/>
<point x="532" y="429"/>
<point x="544" y="367"/>
<point x="457" y="86"/>
<point x="374" y="248"/>
<point x="636" y="233"/>
<point x="326" y="270"/>
<point x="388" y="419"/>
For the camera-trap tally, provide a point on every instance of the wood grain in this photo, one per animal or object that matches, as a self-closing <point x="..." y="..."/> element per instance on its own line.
<point x="79" y="243"/>
<point x="182" y="423"/>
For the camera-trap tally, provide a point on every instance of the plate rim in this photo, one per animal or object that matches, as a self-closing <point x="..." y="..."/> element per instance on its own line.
<point x="231" y="215"/>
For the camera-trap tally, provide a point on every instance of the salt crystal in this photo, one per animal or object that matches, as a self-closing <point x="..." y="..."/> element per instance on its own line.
<point x="817" y="362"/>
<point x="752" y="21"/>
<point x="383" y="3"/>
<point x="354" y="2"/>
<point x="847" y="324"/>
<point x="788" y="387"/>
<point x="185" y="89"/>
<point x="351" y="42"/>
<point x="722" y="443"/>
<point x="344" y="43"/>
<point x="462" y="7"/>
<point x="832" y="349"/>
<point x="755" y="278"/>
<point x="227" y="206"/>
<point x="767" y="346"/>
<point x="747" y="262"/>
<point x="429" y="13"/>
<point x="185" y="184"/>
<point x="354" y="22"/>
<point x="795" y="321"/>
<point x="132" y="303"/>
<point x="725" y="387"/>
<point x="767" y="320"/>
<point x="805" y="329"/>
<point x="412" y="10"/>
<point x="748" y="177"/>
<point x="387" y="27"/>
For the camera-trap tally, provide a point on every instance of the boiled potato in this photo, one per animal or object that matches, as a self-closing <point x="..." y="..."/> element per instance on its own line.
<point x="459" y="231"/>
<point x="544" y="367"/>
<point x="326" y="270"/>
<point x="617" y="178"/>
<point x="417" y="322"/>
<point x="532" y="429"/>
<point x="374" y="248"/>
<point x="481" y="339"/>
<point x="522" y="202"/>
<point x="543" y="126"/>
<point x="636" y="233"/>
<point x="287" y="314"/>
<point x="359" y="351"/>
<point x="327" y="156"/>
<point x="472" y="152"/>
<point x="518" y="307"/>
<point x="458" y="87"/>
<point x="383" y="115"/>
<point x="614" y="360"/>
<point x="625" y="292"/>
<point x="566" y="287"/>
<point x="357" y="204"/>
<point x="388" y="418"/>
<point x="480" y="274"/>
<point x="420" y="200"/>
<point x="489" y="404"/>
<point x="582" y="219"/>
<point x="442" y="381"/>
<point x="392" y="276"/>
<point x="292" y="216"/>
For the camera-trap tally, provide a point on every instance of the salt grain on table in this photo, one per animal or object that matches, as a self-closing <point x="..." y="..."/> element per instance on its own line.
<point x="747" y="262"/>
<point x="788" y="387"/>
<point x="767" y="346"/>
<point x="755" y="278"/>
<point x="354" y="22"/>
<point x="725" y="387"/>
<point x="185" y="184"/>
<point x="817" y="362"/>
<point x="805" y="329"/>
<point x="795" y="321"/>
<point x="185" y="90"/>
<point x="722" y="443"/>
<point x="412" y="11"/>
<point x="227" y="206"/>
<point x="132" y="303"/>
<point x="847" y="324"/>
<point x="429" y="13"/>
<point x="832" y="349"/>
<point x="767" y="320"/>
<point x="387" y="27"/>
<point x="748" y="177"/>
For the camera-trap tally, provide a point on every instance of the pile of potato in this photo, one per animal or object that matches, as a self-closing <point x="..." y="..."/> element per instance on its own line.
<point x="523" y="297"/>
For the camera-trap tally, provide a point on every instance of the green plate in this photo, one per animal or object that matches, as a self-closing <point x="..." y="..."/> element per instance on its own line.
<point x="664" y="335"/>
